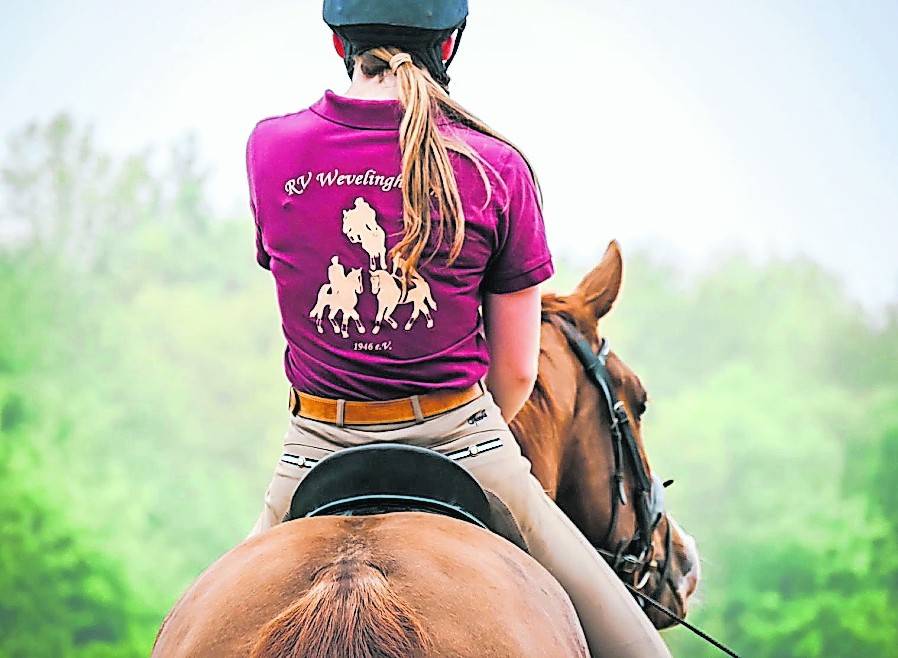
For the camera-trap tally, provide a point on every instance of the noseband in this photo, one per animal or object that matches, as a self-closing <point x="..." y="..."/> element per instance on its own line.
<point x="634" y="557"/>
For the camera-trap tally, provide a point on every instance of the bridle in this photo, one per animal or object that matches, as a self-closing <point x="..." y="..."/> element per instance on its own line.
<point x="634" y="559"/>
<point x="634" y="556"/>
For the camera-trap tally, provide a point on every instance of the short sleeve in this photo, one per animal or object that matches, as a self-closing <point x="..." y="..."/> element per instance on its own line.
<point x="262" y="256"/>
<point x="522" y="258"/>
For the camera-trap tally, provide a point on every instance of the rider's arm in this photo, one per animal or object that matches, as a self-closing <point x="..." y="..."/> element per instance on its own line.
<point x="262" y="256"/>
<point x="511" y="300"/>
<point x="512" y="323"/>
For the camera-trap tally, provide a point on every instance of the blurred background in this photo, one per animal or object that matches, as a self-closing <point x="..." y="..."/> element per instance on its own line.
<point x="745" y="155"/>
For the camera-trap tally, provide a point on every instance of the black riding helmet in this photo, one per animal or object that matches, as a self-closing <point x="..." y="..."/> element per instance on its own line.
<point x="419" y="27"/>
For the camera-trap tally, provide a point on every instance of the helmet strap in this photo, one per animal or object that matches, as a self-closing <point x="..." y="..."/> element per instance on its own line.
<point x="461" y="30"/>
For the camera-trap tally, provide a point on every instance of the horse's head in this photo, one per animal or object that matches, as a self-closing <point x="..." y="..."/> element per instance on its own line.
<point x="355" y="279"/>
<point x="586" y="447"/>
<point x="349" y="231"/>
<point x="376" y="282"/>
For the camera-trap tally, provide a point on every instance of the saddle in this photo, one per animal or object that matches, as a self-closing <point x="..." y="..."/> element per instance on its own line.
<point x="387" y="477"/>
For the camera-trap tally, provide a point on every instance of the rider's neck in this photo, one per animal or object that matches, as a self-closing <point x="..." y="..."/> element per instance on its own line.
<point x="385" y="87"/>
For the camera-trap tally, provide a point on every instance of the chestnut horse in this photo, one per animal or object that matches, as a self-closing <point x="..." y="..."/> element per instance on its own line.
<point x="565" y="431"/>
<point x="413" y="584"/>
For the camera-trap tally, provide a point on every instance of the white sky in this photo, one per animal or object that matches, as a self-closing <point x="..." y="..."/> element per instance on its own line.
<point x="690" y="127"/>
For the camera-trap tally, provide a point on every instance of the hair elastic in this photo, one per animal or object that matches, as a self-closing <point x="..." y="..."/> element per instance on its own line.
<point x="398" y="60"/>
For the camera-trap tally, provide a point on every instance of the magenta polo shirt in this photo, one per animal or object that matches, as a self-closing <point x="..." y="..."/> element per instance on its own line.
<point x="326" y="193"/>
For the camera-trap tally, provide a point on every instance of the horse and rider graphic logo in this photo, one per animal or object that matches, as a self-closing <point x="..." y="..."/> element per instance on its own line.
<point x="340" y="295"/>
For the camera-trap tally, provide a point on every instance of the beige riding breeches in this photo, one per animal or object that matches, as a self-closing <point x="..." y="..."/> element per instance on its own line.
<point x="614" y="625"/>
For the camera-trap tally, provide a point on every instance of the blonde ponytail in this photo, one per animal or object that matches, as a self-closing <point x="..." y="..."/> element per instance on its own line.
<point x="426" y="168"/>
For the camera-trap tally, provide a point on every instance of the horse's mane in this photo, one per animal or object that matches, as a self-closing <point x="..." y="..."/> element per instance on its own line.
<point x="542" y="403"/>
<point x="573" y="308"/>
<point x="351" y="611"/>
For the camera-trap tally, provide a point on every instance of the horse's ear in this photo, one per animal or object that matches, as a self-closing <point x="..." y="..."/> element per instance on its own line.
<point x="599" y="289"/>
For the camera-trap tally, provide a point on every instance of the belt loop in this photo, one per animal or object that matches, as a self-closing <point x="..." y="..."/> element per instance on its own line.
<point x="416" y="407"/>
<point x="341" y="412"/>
<point x="482" y="386"/>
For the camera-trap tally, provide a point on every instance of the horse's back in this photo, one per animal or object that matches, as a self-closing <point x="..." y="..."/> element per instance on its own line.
<point x="474" y="594"/>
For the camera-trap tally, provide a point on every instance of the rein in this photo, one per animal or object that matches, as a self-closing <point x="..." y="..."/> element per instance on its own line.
<point x="635" y="554"/>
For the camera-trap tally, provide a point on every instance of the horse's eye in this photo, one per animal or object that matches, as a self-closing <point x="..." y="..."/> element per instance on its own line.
<point x="643" y="405"/>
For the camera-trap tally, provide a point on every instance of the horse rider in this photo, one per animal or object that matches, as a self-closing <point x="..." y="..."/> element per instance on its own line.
<point x="336" y="273"/>
<point x="467" y="221"/>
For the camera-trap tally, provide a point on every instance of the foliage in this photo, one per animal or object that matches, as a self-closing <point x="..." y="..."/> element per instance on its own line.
<point x="142" y="404"/>
<point x="60" y="598"/>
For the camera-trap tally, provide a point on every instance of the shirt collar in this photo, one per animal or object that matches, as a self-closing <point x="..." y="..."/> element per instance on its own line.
<point x="358" y="112"/>
<point x="363" y="113"/>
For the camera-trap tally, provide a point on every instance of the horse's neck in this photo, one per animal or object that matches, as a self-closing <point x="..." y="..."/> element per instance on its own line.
<point x="568" y="455"/>
<point x="347" y="286"/>
<point x="542" y="442"/>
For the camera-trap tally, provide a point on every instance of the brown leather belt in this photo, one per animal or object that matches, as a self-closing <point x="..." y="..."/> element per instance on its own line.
<point x="352" y="412"/>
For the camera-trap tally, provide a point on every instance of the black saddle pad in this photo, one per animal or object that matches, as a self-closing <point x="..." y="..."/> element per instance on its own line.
<point x="379" y="478"/>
